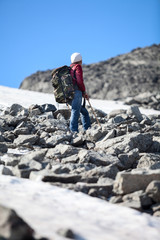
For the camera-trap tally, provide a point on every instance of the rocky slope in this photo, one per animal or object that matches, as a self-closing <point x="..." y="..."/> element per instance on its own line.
<point x="126" y="75"/>
<point x="118" y="162"/>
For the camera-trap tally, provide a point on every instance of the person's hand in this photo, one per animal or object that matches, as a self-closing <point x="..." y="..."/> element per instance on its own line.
<point x="85" y="95"/>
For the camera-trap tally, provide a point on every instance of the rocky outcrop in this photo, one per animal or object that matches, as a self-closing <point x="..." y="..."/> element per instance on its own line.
<point x="121" y="77"/>
<point x="118" y="162"/>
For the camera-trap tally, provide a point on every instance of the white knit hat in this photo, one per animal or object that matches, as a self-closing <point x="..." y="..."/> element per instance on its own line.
<point x="76" y="57"/>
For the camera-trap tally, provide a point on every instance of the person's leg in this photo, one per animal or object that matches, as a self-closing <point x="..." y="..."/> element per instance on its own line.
<point x="85" y="118"/>
<point x="75" y="112"/>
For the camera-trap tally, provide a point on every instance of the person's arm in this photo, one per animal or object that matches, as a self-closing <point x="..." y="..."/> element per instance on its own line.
<point x="79" y="78"/>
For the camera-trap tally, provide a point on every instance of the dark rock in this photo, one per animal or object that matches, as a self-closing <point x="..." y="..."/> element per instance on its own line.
<point x="15" y="120"/>
<point x="56" y="139"/>
<point x="128" y="159"/>
<point x="153" y="191"/>
<point x="13" y="227"/>
<point x="2" y="139"/>
<point x="5" y="170"/>
<point x="137" y="200"/>
<point x="118" y="119"/>
<point x="48" y="108"/>
<point x="133" y="127"/>
<point x="17" y="109"/>
<point x="3" y="148"/>
<point x="155" y="145"/>
<point x="77" y="141"/>
<point x="63" y="178"/>
<point x="64" y="112"/>
<point x="67" y="233"/>
<point x="95" y="189"/>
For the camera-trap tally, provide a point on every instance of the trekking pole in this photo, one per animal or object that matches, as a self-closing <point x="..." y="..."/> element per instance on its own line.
<point x="94" y="113"/>
<point x="68" y="106"/>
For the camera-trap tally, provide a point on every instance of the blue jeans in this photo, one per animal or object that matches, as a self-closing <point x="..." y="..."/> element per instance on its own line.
<point x="77" y="109"/>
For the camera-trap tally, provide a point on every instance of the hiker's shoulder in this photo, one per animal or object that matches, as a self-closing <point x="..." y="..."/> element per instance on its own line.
<point x="76" y="67"/>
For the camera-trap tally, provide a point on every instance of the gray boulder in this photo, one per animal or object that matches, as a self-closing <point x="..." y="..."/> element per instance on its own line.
<point x="71" y="159"/>
<point x="61" y="150"/>
<point x="137" y="200"/>
<point x="13" y="121"/>
<point x="129" y="159"/>
<point x="128" y="182"/>
<point x="134" y="111"/>
<point x="26" y="140"/>
<point x="37" y="155"/>
<point x="21" y="131"/>
<point x="98" y="159"/>
<point x="13" y="227"/>
<point x="56" y="139"/>
<point x="17" y="109"/>
<point x="5" y="170"/>
<point x="153" y="190"/>
<point x="116" y="112"/>
<point x="29" y="164"/>
<point x="102" y="190"/>
<point x="126" y="143"/>
<point x="149" y="160"/>
<point x="106" y="171"/>
<point x="94" y="134"/>
<point x="3" y="148"/>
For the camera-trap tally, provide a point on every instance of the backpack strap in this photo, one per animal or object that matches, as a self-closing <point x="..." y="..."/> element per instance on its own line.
<point x="74" y="71"/>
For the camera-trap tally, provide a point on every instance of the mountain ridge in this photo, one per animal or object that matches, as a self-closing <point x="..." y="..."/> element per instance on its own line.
<point x="117" y="78"/>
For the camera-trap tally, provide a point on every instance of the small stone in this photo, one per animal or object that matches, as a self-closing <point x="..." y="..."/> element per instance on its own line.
<point x="67" y="233"/>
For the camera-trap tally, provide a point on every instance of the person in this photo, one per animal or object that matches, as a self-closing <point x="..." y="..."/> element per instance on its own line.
<point x="76" y="104"/>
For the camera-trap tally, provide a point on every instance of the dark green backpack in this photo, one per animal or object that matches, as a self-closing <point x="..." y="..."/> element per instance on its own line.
<point x="63" y="84"/>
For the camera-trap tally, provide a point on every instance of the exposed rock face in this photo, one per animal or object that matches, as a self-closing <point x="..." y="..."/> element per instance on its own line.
<point x="118" y="162"/>
<point x="126" y="75"/>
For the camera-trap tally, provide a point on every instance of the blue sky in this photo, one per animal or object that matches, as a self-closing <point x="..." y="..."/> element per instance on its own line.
<point x="42" y="34"/>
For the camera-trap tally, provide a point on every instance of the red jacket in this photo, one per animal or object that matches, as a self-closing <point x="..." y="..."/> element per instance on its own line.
<point x="77" y="72"/>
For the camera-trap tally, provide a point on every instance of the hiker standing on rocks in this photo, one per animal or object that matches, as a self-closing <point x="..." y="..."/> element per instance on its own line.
<point x="77" y="108"/>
